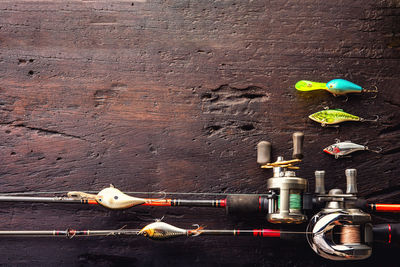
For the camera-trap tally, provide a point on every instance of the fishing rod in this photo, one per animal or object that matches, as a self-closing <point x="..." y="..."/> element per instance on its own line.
<point x="286" y="201"/>
<point x="113" y="198"/>
<point x="379" y="207"/>
<point x="282" y="203"/>
<point x="157" y="230"/>
<point x="326" y="234"/>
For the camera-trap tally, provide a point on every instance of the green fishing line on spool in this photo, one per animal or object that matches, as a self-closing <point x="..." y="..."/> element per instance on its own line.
<point x="294" y="201"/>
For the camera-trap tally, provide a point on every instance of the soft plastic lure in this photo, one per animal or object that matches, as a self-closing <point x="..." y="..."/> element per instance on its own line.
<point x="334" y="116"/>
<point x="341" y="149"/>
<point x="336" y="87"/>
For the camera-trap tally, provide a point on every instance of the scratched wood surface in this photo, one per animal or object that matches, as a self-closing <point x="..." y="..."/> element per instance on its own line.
<point x="174" y="96"/>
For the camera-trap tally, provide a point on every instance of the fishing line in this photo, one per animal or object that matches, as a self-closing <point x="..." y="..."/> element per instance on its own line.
<point x="350" y="234"/>
<point x="295" y="201"/>
<point x="129" y="192"/>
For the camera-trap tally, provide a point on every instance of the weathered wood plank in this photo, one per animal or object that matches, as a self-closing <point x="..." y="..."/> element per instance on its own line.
<point x="174" y="96"/>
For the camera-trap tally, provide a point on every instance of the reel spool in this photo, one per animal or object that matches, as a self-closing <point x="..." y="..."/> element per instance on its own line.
<point x="340" y="231"/>
<point x="341" y="235"/>
<point x="286" y="202"/>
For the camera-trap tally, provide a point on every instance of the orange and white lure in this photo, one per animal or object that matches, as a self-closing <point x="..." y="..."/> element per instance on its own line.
<point x="160" y="230"/>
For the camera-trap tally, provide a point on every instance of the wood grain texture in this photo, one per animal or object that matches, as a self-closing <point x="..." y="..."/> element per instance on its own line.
<point x="174" y="96"/>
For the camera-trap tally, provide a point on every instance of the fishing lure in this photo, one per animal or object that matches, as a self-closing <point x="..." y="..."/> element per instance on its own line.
<point x="334" y="116"/>
<point x="341" y="149"/>
<point x="160" y="230"/>
<point x="336" y="87"/>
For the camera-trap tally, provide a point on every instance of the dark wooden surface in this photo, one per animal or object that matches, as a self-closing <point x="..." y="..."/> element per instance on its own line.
<point x="174" y="96"/>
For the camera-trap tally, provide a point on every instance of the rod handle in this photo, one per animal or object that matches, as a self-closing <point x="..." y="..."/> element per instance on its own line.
<point x="298" y="139"/>
<point x="387" y="233"/>
<point x="263" y="152"/>
<point x="363" y="204"/>
<point x="351" y="180"/>
<point x="245" y="204"/>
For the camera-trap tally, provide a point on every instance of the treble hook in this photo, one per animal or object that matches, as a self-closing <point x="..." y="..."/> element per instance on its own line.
<point x="159" y="220"/>
<point x="379" y="149"/>
<point x="372" y="91"/>
<point x="372" y="120"/>
<point x="197" y="231"/>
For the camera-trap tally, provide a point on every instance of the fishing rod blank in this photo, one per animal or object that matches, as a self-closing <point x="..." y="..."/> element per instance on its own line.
<point x="112" y="198"/>
<point x="69" y="233"/>
<point x="377" y="207"/>
<point x="282" y="204"/>
<point x="157" y="230"/>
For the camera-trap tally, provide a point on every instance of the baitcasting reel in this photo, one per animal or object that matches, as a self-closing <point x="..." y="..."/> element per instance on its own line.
<point x="284" y="201"/>
<point x="340" y="231"/>
<point x="285" y="189"/>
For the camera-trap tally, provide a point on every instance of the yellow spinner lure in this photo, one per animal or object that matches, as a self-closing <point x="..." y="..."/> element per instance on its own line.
<point x="335" y="116"/>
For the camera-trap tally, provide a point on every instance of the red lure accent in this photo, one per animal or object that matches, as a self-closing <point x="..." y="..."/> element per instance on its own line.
<point x="336" y="150"/>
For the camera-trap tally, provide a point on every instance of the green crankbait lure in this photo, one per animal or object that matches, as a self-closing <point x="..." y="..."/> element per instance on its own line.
<point x="336" y="87"/>
<point x="335" y="116"/>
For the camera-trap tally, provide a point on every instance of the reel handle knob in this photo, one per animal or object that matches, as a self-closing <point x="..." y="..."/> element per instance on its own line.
<point x="263" y="152"/>
<point x="320" y="182"/>
<point x="351" y="180"/>
<point x="298" y="138"/>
